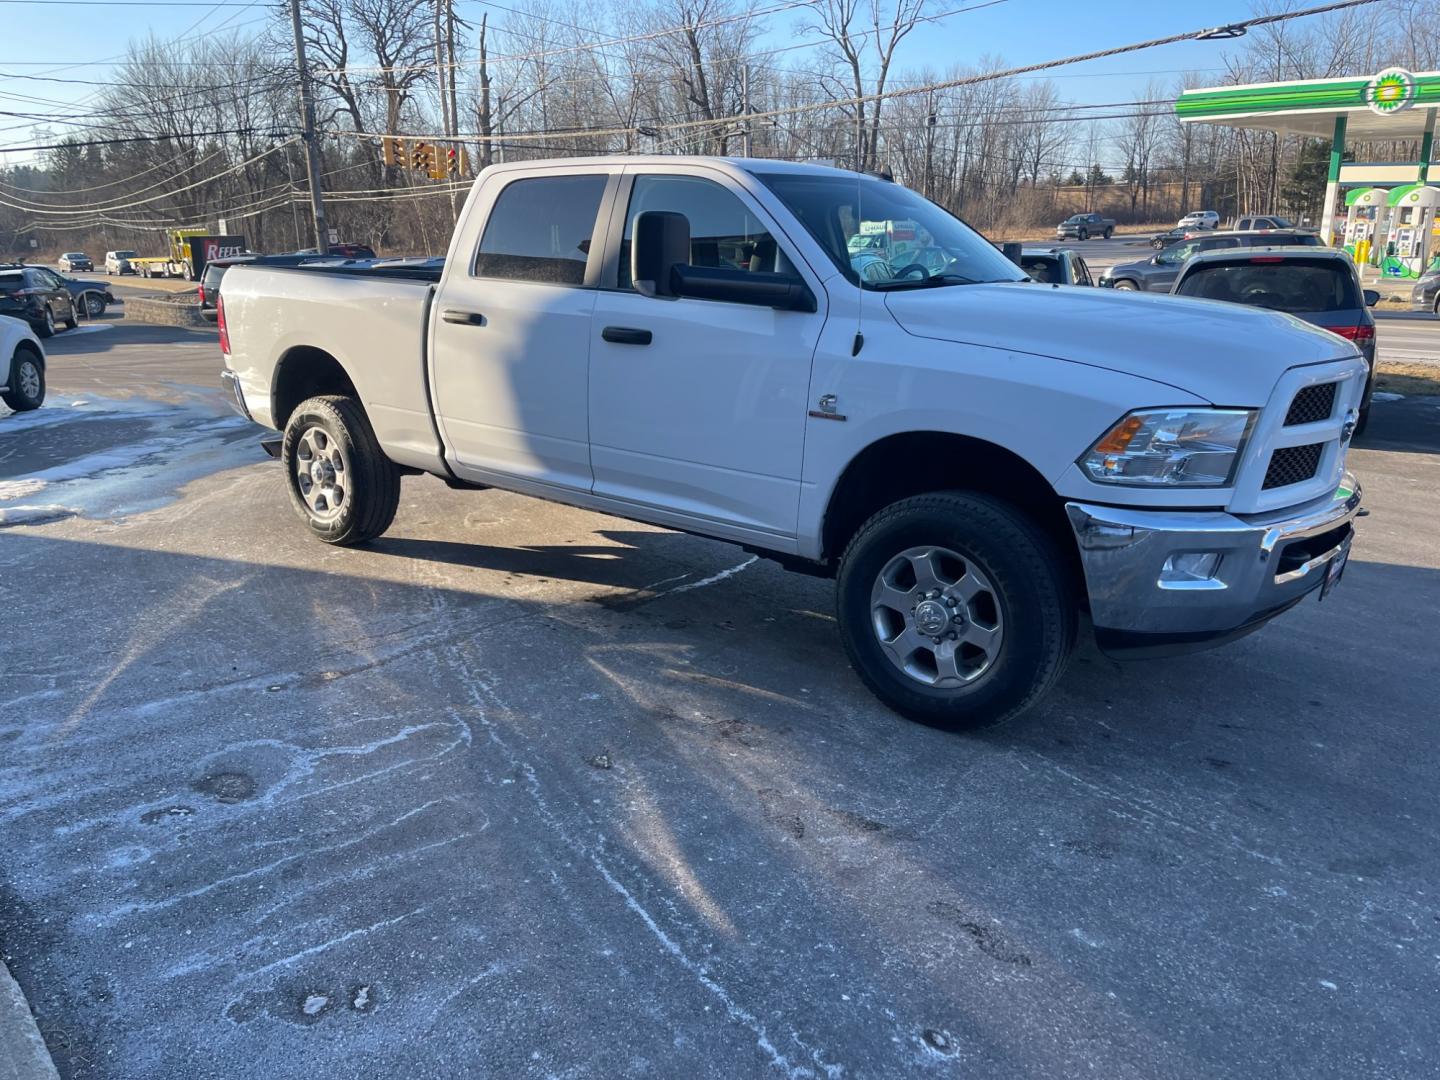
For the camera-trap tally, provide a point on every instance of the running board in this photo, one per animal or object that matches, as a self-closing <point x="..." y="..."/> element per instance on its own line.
<point x="271" y="446"/>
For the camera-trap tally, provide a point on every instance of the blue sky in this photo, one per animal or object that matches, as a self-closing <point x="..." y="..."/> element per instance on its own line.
<point x="1019" y="31"/>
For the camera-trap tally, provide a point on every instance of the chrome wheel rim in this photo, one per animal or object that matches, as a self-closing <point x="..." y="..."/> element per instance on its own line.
<point x="322" y="474"/>
<point x="937" y="617"/>
<point x="29" y="379"/>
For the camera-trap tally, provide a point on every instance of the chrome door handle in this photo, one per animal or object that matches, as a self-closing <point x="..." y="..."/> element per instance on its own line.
<point x="464" y="318"/>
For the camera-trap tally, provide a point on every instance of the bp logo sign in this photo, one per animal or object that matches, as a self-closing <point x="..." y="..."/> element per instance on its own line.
<point x="1392" y="91"/>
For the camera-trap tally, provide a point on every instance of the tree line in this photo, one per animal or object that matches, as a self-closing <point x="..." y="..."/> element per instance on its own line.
<point x="188" y="131"/>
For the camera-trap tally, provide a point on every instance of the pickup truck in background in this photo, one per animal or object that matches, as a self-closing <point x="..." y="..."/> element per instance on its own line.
<point x="1084" y="226"/>
<point x="977" y="459"/>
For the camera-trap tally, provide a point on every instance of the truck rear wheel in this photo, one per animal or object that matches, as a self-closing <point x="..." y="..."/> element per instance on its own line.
<point x="340" y="481"/>
<point x="955" y="610"/>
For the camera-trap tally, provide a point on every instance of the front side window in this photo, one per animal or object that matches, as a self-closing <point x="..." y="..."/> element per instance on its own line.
<point x="724" y="234"/>
<point x="540" y="229"/>
<point x="921" y="244"/>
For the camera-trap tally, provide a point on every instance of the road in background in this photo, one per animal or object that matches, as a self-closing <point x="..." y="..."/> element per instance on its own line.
<point x="520" y="789"/>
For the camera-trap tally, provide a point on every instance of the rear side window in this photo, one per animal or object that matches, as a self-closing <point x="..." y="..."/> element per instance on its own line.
<point x="11" y="283"/>
<point x="1298" y="285"/>
<point x="540" y="229"/>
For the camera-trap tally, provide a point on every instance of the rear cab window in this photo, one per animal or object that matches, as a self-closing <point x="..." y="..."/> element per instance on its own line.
<point x="540" y="229"/>
<point x="1280" y="283"/>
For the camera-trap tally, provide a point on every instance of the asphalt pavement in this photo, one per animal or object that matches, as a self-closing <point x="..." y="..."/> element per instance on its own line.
<point x="522" y="790"/>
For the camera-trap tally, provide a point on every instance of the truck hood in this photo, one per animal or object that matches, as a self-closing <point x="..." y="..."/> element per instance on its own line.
<point x="1225" y="353"/>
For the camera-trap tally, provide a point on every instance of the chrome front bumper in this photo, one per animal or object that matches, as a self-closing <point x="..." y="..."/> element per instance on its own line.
<point x="1267" y="563"/>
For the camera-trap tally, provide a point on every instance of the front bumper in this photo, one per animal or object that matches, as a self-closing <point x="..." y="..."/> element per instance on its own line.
<point x="1267" y="563"/>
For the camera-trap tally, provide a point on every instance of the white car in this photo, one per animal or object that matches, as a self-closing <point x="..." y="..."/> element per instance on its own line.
<point x="22" y="376"/>
<point x="118" y="262"/>
<point x="72" y="261"/>
<point x="1199" y="219"/>
<point x="692" y="342"/>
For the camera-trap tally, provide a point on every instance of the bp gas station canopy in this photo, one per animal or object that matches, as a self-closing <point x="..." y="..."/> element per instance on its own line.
<point x="1393" y="104"/>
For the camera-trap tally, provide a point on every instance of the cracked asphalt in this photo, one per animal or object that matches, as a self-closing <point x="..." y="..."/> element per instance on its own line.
<point x="522" y="790"/>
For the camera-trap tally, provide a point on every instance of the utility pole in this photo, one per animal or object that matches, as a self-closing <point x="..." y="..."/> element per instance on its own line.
<point x="307" y="117"/>
<point x="745" y="108"/>
<point x="443" y="85"/>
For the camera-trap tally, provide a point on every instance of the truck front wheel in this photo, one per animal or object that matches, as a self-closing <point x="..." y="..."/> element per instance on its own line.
<point x="340" y="481"/>
<point x="955" y="610"/>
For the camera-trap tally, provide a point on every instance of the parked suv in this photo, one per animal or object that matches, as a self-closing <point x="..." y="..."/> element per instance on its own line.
<point x="1199" y="219"/>
<point x="1319" y="285"/>
<point x="75" y="260"/>
<point x="38" y="296"/>
<point x="1425" y="296"/>
<point x="210" y="283"/>
<point x="1158" y="273"/>
<point x="118" y="262"/>
<point x="22" y="366"/>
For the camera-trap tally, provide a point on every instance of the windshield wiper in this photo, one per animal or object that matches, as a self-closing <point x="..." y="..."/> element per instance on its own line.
<point x="931" y="282"/>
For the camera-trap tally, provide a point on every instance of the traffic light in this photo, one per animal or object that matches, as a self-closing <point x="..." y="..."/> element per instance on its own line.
<point x="392" y="150"/>
<point x="452" y="162"/>
<point x="422" y="157"/>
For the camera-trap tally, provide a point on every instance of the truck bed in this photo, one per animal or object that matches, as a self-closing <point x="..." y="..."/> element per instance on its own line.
<point x="374" y="323"/>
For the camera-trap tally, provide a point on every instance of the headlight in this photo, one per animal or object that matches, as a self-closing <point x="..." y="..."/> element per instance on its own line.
<point x="1172" y="447"/>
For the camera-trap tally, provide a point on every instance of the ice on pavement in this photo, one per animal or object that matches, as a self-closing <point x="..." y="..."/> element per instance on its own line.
<point x="157" y="448"/>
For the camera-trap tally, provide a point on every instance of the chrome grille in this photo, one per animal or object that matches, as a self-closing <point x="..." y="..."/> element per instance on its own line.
<point x="1292" y="465"/>
<point x="1311" y="404"/>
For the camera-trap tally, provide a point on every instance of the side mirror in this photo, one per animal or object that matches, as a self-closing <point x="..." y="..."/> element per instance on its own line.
<point x="1372" y="297"/>
<point x="660" y="244"/>
<point x="762" y="288"/>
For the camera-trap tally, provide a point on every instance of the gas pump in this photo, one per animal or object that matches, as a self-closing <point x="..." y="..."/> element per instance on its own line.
<point x="1362" y="209"/>
<point x="1412" y="210"/>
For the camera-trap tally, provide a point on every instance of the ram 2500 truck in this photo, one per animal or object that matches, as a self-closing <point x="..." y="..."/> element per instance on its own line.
<point x="977" y="458"/>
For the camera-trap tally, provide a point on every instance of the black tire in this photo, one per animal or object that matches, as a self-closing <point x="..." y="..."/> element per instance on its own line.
<point x="71" y="322"/>
<point x="1082" y="234"/>
<point x="17" y="397"/>
<point x="1126" y="285"/>
<point x="1109" y="233"/>
<point x="46" y="326"/>
<point x="1362" y="421"/>
<point x="372" y="493"/>
<point x="1031" y="589"/>
<point x="94" y="305"/>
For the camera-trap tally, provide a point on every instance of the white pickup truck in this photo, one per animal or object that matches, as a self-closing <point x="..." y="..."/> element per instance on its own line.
<point x="979" y="459"/>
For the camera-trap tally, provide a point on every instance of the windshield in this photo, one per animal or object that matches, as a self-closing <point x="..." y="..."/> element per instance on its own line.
<point x="884" y="236"/>
<point x="125" y="254"/>
<point x="1297" y="285"/>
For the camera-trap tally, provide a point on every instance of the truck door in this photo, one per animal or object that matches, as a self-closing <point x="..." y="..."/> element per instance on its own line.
<point x="698" y="407"/>
<point x="512" y="332"/>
